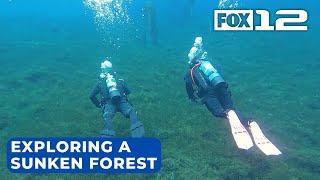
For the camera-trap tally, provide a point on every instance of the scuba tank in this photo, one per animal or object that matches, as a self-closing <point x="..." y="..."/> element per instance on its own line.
<point x="112" y="88"/>
<point x="211" y="73"/>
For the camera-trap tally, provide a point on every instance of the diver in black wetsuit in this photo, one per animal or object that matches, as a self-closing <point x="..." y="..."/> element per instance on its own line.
<point x="204" y="82"/>
<point x="113" y="98"/>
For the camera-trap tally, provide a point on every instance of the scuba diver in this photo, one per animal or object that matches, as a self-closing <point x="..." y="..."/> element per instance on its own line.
<point x="205" y="84"/>
<point x="113" y="98"/>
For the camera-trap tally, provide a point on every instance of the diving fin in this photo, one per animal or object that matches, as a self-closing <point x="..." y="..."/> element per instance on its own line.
<point x="137" y="130"/>
<point x="261" y="141"/>
<point x="240" y="134"/>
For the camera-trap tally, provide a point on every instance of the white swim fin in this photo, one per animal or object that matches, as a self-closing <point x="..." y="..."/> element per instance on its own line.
<point x="239" y="132"/>
<point x="261" y="141"/>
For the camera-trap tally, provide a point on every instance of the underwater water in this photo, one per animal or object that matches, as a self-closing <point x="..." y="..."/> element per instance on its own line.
<point x="50" y="54"/>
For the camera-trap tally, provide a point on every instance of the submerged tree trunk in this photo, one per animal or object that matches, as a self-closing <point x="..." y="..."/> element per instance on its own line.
<point x="150" y="23"/>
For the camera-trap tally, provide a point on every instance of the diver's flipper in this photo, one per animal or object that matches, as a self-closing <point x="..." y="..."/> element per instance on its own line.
<point x="261" y="141"/>
<point x="240" y="134"/>
<point x="137" y="130"/>
<point x="108" y="133"/>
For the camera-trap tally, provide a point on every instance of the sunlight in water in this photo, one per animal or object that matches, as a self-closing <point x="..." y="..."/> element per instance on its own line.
<point x="228" y="4"/>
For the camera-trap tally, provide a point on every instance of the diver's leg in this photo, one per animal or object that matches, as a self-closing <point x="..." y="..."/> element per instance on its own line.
<point x="214" y="106"/>
<point x="224" y="96"/>
<point x="243" y="119"/>
<point x="109" y="111"/>
<point x="136" y="127"/>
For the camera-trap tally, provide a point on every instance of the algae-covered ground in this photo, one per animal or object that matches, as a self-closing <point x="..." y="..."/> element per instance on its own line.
<point x="46" y="77"/>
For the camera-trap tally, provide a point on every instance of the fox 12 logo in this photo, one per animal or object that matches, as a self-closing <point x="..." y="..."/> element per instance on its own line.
<point x="259" y="20"/>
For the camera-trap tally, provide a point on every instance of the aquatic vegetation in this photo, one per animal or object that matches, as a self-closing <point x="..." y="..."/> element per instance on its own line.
<point x="38" y="77"/>
<point x="38" y="111"/>
<point x="4" y="122"/>
<point x="35" y="77"/>
<point x="22" y="105"/>
<point x="11" y="84"/>
<point x="315" y="105"/>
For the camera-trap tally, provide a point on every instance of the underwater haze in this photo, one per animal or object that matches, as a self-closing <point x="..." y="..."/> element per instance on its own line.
<point x="50" y="55"/>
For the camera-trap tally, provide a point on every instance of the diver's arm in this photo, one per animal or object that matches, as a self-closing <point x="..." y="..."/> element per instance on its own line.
<point x="126" y="89"/>
<point x="189" y="88"/>
<point x="93" y="95"/>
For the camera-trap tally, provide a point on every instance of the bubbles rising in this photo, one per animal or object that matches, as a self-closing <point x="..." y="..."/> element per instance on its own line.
<point x="111" y="18"/>
<point x="109" y="11"/>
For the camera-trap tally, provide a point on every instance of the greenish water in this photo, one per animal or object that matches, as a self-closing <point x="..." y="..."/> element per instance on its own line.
<point x="50" y="61"/>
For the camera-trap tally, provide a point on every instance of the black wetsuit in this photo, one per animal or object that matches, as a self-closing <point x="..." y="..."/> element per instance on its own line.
<point x="110" y="108"/>
<point x="216" y="98"/>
